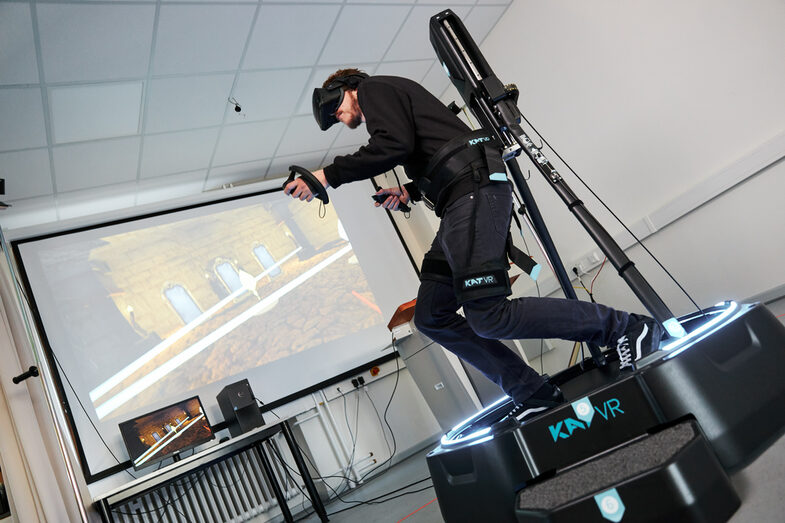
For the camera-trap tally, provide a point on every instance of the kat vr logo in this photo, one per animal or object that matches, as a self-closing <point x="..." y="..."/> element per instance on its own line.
<point x="584" y="414"/>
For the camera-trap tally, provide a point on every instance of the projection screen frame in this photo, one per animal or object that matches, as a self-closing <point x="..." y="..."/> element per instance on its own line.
<point x="55" y="367"/>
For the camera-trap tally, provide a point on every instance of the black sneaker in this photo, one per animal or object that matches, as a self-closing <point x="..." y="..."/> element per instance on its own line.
<point x="546" y="397"/>
<point x="642" y="338"/>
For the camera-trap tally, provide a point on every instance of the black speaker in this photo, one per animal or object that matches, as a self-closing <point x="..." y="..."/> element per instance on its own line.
<point x="239" y="409"/>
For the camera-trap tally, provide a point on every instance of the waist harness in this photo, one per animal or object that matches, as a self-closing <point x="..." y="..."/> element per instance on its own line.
<point x="477" y="156"/>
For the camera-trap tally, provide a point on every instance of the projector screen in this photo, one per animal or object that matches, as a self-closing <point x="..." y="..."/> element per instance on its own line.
<point x="146" y="312"/>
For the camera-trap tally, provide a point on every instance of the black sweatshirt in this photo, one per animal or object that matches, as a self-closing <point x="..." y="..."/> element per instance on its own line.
<point x="407" y="125"/>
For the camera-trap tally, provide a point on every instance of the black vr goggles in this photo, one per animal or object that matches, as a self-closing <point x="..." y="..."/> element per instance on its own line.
<point x="326" y="100"/>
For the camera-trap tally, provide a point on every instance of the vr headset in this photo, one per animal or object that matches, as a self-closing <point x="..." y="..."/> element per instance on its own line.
<point x="326" y="100"/>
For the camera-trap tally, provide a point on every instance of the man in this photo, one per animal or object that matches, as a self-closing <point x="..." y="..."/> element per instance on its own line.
<point x="460" y="174"/>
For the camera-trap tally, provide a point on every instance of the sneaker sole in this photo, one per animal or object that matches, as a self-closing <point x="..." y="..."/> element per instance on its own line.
<point x="529" y="412"/>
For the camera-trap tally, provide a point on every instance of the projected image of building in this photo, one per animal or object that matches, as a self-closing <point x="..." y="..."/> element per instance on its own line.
<point x="192" y="302"/>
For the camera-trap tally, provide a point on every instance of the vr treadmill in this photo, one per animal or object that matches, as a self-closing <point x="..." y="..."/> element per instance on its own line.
<point x="654" y="444"/>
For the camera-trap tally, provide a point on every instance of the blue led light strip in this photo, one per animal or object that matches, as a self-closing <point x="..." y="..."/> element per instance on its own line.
<point x="447" y="439"/>
<point x="701" y="332"/>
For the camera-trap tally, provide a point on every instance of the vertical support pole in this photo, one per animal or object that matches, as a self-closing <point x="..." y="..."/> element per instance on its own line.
<point x="548" y="245"/>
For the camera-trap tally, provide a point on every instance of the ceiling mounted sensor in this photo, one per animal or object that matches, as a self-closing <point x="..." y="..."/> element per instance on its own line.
<point x="236" y="105"/>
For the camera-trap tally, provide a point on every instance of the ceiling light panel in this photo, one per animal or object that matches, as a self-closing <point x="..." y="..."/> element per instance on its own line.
<point x="276" y="39"/>
<point x="90" y="112"/>
<point x="82" y="42"/>
<point x="17" y="50"/>
<point x="201" y="38"/>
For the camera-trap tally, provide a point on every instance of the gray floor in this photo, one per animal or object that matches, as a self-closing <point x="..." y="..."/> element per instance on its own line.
<point x="419" y="507"/>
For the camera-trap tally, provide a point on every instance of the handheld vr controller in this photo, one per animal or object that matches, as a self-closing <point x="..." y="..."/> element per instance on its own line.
<point x="381" y="198"/>
<point x="313" y="183"/>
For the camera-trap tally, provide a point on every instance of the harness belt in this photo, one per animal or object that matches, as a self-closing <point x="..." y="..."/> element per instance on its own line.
<point x="455" y="161"/>
<point x="476" y="155"/>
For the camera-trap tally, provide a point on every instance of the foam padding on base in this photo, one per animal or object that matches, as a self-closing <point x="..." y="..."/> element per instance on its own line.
<point x="669" y="476"/>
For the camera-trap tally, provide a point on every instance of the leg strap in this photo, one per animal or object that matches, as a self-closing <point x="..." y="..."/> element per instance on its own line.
<point x="436" y="268"/>
<point x="473" y="284"/>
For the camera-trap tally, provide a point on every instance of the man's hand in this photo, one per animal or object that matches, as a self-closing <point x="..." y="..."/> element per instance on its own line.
<point x="396" y="197"/>
<point x="297" y="188"/>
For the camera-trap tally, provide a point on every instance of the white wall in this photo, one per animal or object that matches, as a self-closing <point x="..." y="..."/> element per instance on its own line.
<point x="673" y="113"/>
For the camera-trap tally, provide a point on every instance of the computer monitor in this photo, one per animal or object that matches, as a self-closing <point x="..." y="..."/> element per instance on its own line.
<point x="166" y="432"/>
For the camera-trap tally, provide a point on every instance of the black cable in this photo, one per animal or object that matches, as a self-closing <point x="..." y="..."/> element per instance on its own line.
<point x="637" y="240"/>
<point x="386" y="409"/>
<point x="379" y="417"/>
<point x="62" y="371"/>
<point x="261" y="404"/>
<point x="374" y="501"/>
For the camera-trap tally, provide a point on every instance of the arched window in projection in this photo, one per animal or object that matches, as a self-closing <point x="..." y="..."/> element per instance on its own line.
<point x="228" y="275"/>
<point x="267" y="260"/>
<point x="182" y="302"/>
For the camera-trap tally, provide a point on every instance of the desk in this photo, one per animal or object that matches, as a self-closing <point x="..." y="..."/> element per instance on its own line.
<point x="251" y="441"/>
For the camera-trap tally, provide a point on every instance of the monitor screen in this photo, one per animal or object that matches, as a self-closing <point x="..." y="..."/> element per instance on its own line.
<point x="166" y="432"/>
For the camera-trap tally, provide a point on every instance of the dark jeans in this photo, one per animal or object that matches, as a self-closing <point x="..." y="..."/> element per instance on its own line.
<point x="474" y="338"/>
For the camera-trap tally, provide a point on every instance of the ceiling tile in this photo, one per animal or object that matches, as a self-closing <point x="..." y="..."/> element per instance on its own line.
<point x="279" y="168"/>
<point x="94" y="41"/>
<point x="171" y="153"/>
<point x="351" y="137"/>
<point x="413" y="42"/>
<point x="304" y="135"/>
<point x="22" y="117"/>
<point x="201" y="38"/>
<point x="413" y="70"/>
<point x="363" y="33"/>
<point x="276" y="39"/>
<point x="181" y="103"/>
<point x="482" y="19"/>
<point x="265" y="95"/>
<point x="90" y="112"/>
<point x="27" y="174"/>
<point x="248" y="142"/>
<point x="241" y="172"/>
<point x="17" y="49"/>
<point x="79" y="204"/>
<point x="436" y="80"/>
<point x="169" y="187"/>
<point x="94" y="164"/>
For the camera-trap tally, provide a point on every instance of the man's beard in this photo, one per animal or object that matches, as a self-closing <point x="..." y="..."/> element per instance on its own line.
<point x="355" y="122"/>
